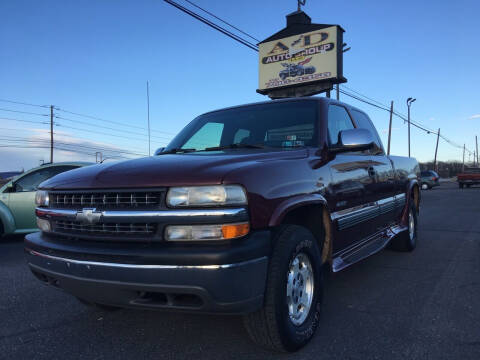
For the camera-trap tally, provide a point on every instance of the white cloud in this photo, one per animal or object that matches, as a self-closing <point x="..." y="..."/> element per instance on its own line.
<point x="476" y="116"/>
<point x="19" y="155"/>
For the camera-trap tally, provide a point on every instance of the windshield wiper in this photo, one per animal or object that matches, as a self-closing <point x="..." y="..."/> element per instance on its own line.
<point x="177" y="151"/>
<point x="235" y="146"/>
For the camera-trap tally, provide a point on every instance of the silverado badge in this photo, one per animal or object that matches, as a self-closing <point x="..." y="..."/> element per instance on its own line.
<point x="88" y="216"/>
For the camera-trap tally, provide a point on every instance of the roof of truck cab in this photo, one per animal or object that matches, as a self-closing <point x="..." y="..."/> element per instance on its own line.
<point x="321" y="99"/>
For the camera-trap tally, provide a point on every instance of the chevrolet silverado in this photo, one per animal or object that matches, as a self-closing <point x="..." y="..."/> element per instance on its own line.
<point x="241" y="213"/>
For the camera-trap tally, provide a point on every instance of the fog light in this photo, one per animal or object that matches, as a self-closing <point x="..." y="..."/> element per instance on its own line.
<point x="43" y="224"/>
<point x="206" y="232"/>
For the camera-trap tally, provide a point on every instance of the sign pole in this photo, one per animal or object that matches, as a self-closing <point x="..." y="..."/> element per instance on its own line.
<point x="463" y="161"/>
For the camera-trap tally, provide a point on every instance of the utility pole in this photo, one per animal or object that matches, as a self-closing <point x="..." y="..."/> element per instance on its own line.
<point x="338" y="92"/>
<point x="390" y="128"/>
<point x="463" y="161"/>
<point x="409" y="103"/>
<point x="148" y="118"/>
<point x="51" y="133"/>
<point x="436" y="149"/>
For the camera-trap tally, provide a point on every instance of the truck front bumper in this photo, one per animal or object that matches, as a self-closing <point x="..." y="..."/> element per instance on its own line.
<point x="232" y="287"/>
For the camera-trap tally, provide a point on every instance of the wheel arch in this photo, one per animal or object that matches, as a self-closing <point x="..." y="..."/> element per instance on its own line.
<point x="6" y="219"/>
<point x="413" y="194"/>
<point x="306" y="210"/>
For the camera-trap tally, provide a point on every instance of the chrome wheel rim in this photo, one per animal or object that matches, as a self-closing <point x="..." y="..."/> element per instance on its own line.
<point x="411" y="226"/>
<point x="300" y="287"/>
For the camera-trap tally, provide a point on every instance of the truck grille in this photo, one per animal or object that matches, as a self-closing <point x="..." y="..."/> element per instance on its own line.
<point x="134" y="229"/>
<point x="106" y="200"/>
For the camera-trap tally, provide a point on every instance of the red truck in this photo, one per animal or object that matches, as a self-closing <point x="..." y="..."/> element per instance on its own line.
<point x="469" y="177"/>
<point x="241" y="213"/>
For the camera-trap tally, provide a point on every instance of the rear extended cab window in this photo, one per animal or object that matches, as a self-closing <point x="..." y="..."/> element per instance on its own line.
<point x="363" y="122"/>
<point x="338" y="120"/>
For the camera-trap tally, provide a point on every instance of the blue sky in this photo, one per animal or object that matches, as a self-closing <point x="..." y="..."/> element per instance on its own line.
<point x="94" y="57"/>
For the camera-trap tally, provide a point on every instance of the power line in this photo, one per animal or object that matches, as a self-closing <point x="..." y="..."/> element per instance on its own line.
<point x="23" y="103"/>
<point x="23" y="112"/>
<point x="110" y="128"/>
<point x="109" y="121"/>
<point x="413" y="123"/>
<point x="223" y="21"/>
<point x="213" y="25"/>
<point x="22" y="120"/>
<point x="74" y="145"/>
<point x="98" y="132"/>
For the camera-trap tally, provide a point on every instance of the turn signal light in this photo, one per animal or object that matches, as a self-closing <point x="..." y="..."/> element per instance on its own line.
<point x="206" y="232"/>
<point x="235" y="230"/>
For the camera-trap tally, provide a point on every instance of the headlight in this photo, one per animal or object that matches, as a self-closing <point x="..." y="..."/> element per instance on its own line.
<point x="41" y="198"/>
<point x="206" y="196"/>
<point x="206" y="232"/>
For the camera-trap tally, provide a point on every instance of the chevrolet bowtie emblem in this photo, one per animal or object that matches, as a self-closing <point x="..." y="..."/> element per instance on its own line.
<point x="88" y="216"/>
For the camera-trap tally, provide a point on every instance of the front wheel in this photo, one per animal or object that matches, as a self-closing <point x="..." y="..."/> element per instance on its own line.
<point x="293" y="295"/>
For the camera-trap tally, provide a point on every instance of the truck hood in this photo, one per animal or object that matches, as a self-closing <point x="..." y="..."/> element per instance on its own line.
<point x="167" y="170"/>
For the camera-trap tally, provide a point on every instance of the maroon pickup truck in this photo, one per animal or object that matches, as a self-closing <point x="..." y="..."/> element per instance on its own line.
<point x="240" y="214"/>
<point x="469" y="177"/>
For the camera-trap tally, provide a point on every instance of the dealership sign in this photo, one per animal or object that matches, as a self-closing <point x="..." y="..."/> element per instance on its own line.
<point x="301" y="60"/>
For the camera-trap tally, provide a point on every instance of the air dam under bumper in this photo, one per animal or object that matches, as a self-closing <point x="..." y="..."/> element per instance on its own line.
<point x="234" y="288"/>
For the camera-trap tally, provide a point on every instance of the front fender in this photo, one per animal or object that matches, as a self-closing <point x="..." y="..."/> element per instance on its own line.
<point x="292" y="203"/>
<point x="7" y="219"/>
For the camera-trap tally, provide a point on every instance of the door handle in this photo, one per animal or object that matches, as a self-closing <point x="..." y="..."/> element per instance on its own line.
<point x="371" y="172"/>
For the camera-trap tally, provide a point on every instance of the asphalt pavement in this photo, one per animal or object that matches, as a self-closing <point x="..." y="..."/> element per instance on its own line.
<point x="420" y="305"/>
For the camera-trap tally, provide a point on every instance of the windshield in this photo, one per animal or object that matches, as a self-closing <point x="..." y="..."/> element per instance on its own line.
<point x="275" y="125"/>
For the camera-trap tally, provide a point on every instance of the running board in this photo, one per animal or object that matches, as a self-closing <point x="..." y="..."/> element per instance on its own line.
<point x="365" y="248"/>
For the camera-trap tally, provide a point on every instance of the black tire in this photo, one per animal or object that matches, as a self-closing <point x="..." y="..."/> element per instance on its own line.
<point x="403" y="241"/>
<point x="271" y="326"/>
<point x="460" y="185"/>
<point x="108" y="308"/>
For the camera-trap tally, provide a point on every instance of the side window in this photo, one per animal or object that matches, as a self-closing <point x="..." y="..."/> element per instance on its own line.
<point x="241" y="135"/>
<point x="209" y="135"/>
<point x="31" y="181"/>
<point x="338" y="120"/>
<point x="364" y="122"/>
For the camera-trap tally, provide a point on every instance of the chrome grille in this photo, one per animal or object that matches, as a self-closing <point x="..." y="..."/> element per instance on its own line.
<point x="135" y="229"/>
<point x="106" y="200"/>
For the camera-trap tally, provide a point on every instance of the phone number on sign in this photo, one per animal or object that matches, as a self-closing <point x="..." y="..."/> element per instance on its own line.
<point x="299" y="79"/>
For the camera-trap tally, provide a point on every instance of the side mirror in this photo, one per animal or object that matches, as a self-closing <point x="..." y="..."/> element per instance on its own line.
<point x="354" y="140"/>
<point x="9" y="188"/>
<point x="158" y="151"/>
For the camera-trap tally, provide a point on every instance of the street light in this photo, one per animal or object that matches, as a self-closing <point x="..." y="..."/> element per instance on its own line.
<point x="409" y="102"/>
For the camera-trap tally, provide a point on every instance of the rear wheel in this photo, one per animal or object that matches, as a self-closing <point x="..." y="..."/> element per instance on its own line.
<point x="407" y="240"/>
<point x="460" y="185"/>
<point x="293" y="295"/>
